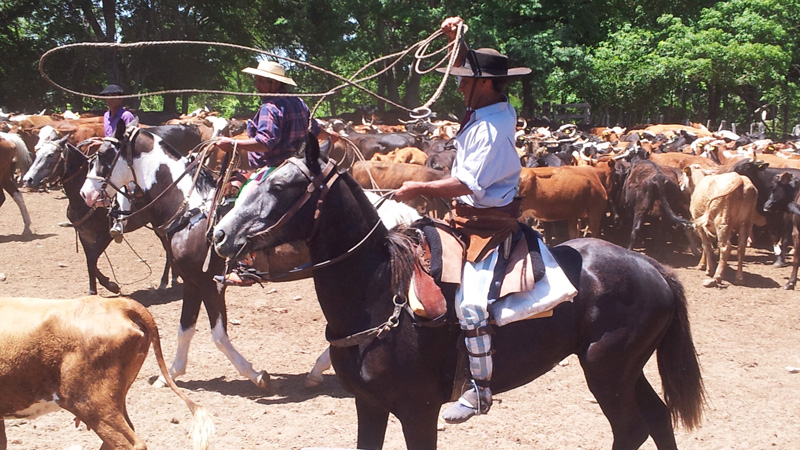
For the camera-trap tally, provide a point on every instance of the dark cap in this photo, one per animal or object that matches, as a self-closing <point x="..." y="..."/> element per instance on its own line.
<point x="112" y="89"/>
<point x="486" y="63"/>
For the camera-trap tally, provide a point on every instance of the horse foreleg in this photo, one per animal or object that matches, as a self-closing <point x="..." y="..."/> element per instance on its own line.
<point x="245" y="368"/>
<point x="166" y="282"/>
<point x="26" y="218"/>
<point x="419" y="426"/>
<point x="178" y="368"/>
<point x="314" y="378"/>
<point x="372" y="421"/>
<point x="92" y="251"/>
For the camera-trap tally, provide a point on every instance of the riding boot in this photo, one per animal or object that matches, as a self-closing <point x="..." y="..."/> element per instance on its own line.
<point x="478" y="397"/>
<point x="116" y="231"/>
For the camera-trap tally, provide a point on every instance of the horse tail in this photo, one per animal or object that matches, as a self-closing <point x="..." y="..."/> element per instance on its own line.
<point x="678" y="365"/>
<point x="202" y="424"/>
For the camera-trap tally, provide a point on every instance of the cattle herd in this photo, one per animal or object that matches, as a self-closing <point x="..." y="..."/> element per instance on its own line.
<point x="656" y="188"/>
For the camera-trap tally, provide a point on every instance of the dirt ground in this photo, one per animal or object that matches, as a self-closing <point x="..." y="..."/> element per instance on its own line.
<point x="747" y="338"/>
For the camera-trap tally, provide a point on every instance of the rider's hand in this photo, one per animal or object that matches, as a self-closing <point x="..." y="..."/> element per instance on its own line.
<point x="225" y="144"/>
<point x="408" y="191"/>
<point x="450" y="26"/>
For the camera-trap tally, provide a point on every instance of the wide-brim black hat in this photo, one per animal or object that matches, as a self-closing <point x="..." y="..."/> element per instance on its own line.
<point x="112" y="89"/>
<point x="486" y="63"/>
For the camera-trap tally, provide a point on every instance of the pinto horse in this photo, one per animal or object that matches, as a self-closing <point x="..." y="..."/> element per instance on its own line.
<point x="627" y="308"/>
<point x="173" y="194"/>
<point x="12" y="148"/>
<point x="61" y="162"/>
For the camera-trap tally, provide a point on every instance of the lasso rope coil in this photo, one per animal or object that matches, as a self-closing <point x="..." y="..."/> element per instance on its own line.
<point x="421" y="47"/>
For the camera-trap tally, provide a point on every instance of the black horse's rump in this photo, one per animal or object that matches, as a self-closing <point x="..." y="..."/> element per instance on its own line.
<point x="628" y="307"/>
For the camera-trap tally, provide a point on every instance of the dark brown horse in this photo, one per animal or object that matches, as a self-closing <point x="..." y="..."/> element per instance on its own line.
<point x="174" y="195"/>
<point x="59" y="162"/>
<point x="628" y="307"/>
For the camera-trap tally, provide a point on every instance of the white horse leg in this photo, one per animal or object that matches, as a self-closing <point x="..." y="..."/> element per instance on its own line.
<point x="314" y="378"/>
<point x="181" y="356"/>
<point x="26" y="218"/>
<point x="245" y="368"/>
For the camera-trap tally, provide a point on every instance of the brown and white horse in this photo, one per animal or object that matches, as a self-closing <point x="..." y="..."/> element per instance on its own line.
<point x="13" y="150"/>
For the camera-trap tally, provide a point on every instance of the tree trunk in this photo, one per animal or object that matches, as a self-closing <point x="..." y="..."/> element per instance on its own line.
<point x="528" y="103"/>
<point x="714" y="97"/>
<point x="412" y="90"/>
<point x="170" y="103"/>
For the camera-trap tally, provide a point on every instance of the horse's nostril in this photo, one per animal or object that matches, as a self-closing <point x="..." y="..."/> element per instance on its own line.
<point x="219" y="236"/>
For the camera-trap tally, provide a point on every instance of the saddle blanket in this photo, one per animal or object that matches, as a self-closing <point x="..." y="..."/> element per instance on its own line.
<point x="552" y="290"/>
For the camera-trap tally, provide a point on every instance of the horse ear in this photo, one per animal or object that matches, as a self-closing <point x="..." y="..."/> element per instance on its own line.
<point x="312" y="153"/>
<point x="325" y="148"/>
<point x="119" y="133"/>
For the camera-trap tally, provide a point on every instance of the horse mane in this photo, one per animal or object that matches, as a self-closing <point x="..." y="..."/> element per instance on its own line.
<point x="402" y="253"/>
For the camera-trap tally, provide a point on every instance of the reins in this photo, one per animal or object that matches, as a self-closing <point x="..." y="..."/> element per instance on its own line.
<point x="329" y="177"/>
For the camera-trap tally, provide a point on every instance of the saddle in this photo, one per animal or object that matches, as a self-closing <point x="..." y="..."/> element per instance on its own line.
<point x="441" y="253"/>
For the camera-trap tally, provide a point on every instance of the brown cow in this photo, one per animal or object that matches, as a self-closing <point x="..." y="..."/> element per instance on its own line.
<point x="407" y="155"/>
<point x="383" y="175"/>
<point x="81" y="355"/>
<point x="722" y="205"/>
<point x="681" y="160"/>
<point x="564" y="193"/>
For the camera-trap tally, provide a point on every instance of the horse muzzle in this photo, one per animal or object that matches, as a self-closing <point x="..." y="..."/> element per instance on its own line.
<point x="94" y="199"/>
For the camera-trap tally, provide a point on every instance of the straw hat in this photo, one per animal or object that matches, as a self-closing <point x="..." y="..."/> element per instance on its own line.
<point x="272" y="70"/>
<point x="486" y="63"/>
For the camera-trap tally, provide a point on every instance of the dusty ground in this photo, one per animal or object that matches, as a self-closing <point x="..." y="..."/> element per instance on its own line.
<point x="746" y="337"/>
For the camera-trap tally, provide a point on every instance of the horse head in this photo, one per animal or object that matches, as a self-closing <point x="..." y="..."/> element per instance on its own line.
<point x="129" y="162"/>
<point x="50" y="160"/>
<point x="275" y="206"/>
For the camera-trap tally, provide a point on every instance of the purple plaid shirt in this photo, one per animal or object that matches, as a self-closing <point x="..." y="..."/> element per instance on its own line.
<point x="281" y="124"/>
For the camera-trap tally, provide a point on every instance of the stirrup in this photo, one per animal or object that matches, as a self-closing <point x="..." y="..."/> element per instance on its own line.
<point x="473" y="402"/>
<point x="240" y="276"/>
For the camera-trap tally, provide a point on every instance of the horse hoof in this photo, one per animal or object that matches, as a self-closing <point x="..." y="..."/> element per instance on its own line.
<point x="262" y="381"/>
<point x="313" y="380"/>
<point x="113" y="287"/>
<point x="779" y="263"/>
<point x="162" y="287"/>
<point x="710" y="282"/>
<point x="157" y="381"/>
<point x="789" y="286"/>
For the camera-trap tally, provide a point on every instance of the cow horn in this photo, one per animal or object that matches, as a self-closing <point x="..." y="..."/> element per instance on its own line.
<point x="622" y="156"/>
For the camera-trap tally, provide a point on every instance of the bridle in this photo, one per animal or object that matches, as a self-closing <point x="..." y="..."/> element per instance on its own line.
<point x="125" y="148"/>
<point x="121" y="148"/>
<point x="322" y="183"/>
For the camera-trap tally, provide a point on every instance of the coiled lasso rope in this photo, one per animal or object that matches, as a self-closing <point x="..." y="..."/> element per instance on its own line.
<point x="451" y="50"/>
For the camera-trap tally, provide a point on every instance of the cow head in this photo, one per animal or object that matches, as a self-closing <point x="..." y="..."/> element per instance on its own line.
<point x="784" y="194"/>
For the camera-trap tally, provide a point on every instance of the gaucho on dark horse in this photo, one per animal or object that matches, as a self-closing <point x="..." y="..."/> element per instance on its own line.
<point x="628" y="306"/>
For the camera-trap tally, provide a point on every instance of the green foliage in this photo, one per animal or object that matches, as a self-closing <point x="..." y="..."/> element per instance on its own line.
<point x="631" y="60"/>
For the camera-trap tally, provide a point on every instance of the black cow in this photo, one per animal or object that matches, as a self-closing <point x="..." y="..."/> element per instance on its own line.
<point x="763" y="178"/>
<point x="784" y="198"/>
<point x="646" y="186"/>
<point x="182" y="137"/>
